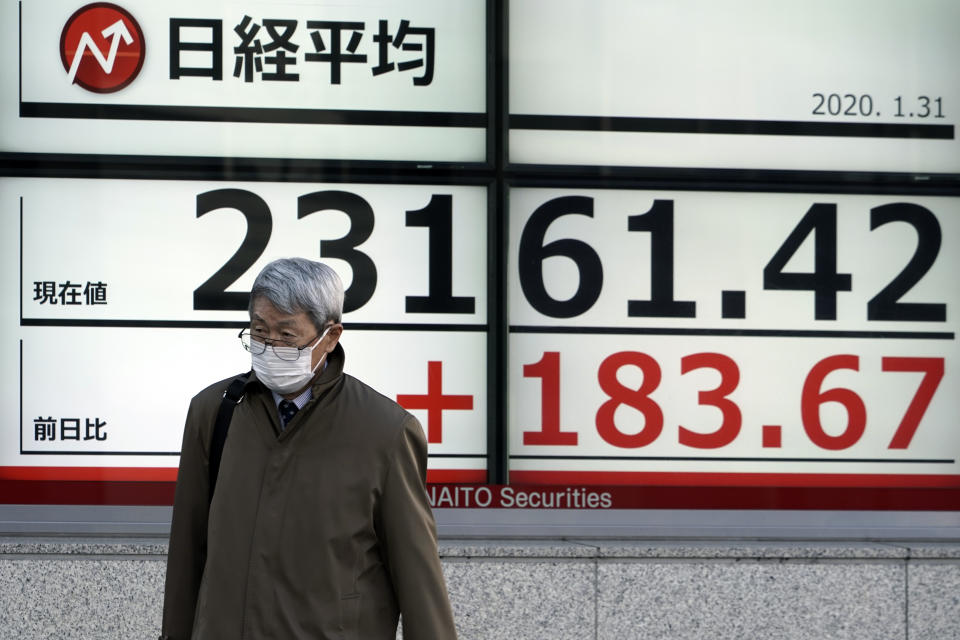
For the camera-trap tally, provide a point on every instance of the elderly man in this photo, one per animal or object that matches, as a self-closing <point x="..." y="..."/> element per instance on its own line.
<point x="319" y="524"/>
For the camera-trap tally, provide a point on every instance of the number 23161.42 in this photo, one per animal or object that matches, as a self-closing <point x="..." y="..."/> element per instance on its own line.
<point x="812" y="397"/>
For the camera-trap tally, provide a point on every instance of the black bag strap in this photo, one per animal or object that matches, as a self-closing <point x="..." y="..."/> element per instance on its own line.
<point x="231" y="398"/>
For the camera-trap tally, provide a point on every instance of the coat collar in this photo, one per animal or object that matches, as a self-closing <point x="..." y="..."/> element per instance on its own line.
<point x="331" y="373"/>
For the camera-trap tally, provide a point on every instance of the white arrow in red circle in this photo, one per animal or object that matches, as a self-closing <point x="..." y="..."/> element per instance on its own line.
<point x="117" y="31"/>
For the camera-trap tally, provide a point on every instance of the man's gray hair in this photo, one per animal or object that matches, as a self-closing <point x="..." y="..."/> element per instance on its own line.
<point x="297" y="284"/>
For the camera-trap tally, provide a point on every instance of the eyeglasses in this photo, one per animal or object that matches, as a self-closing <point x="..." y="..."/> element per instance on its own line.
<point x="283" y="349"/>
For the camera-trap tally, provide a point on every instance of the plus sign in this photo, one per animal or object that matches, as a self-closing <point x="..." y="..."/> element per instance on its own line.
<point x="434" y="401"/>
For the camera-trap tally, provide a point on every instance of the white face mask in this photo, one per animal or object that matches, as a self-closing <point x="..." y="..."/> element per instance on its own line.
<point x="286" y="376"/>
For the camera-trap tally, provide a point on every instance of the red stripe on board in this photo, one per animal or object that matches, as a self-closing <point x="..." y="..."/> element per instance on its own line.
<point x="623" y="496"/>
<point x="169" y="474"/>
<point x="451" y="476"/>
<point x="33" y="485"/>
<point x="121" y="486"/>
<point x="638" y="478"/>
<point x="90" y="474"/>
<point x="147" y="494"/>
<point x="601" y="498"/>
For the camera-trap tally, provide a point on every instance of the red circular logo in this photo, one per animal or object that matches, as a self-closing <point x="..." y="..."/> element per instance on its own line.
<point x="102" y="47"/>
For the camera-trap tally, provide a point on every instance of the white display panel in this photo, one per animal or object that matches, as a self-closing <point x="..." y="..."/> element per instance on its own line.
<point x="712" y="338"/>
<point x="112" y="323"/>
<point x="824" y="86"/>
<point x="356" y="80"/>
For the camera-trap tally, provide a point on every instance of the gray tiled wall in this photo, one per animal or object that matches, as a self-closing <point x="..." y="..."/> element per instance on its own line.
<point x="518" y="590"/>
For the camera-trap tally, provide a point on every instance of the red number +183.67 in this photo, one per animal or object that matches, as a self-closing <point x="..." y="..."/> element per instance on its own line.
<point x="551" y="433"/>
